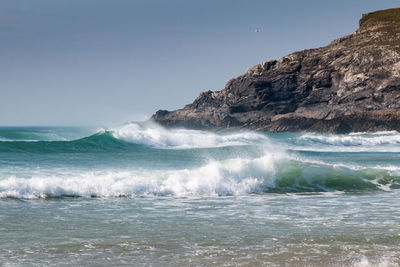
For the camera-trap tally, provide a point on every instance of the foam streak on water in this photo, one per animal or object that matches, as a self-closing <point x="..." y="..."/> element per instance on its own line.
<point x="355" y="142"/>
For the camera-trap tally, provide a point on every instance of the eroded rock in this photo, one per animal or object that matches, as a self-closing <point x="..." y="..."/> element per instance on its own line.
<point x="351" y="85"/>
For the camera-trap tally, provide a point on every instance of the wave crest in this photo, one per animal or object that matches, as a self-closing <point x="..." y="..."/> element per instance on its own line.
<point x="151" y="134"/>
<point x="271" y="173"/>
<point x="230" y="177"/>
<point x="355" y="139"/>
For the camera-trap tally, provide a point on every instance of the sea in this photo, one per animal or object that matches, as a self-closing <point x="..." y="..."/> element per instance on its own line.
<point x="143" y="195"/>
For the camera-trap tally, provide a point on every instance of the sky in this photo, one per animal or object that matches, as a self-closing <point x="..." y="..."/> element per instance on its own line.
<point x="106" y="62"/>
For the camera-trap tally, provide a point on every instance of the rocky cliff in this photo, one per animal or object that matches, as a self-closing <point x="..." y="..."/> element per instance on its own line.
<point x="353" y="84"/>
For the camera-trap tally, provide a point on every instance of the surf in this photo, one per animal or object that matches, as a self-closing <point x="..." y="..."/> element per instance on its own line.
<point x="134" y="135"/>
<point x="154" y="135"/>
<point x="147" y="160"/>
<point x="271" y="173"/>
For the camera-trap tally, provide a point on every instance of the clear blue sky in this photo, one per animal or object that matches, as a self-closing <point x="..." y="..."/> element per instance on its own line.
<point x="104" y="62"/>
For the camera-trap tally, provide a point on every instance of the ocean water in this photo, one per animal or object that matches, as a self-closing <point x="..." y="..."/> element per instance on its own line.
<point x="140" y="194"/>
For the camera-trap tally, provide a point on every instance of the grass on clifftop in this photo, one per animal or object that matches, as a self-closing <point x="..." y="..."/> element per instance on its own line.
<point x="388" y="22"/>
<point x="381" y="16"/>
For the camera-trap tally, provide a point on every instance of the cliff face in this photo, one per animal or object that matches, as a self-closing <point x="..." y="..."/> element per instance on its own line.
<point x="353" y="84"/>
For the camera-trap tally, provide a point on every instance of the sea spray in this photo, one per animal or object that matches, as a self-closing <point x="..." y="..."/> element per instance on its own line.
<point x="354" y="139"/>
<point x="271" y="173"/>
<point x="230" y="177"/>
<point x="154" y="135"/>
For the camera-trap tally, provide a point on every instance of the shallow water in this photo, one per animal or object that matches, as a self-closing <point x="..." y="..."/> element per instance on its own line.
<point x="140" y="194"/>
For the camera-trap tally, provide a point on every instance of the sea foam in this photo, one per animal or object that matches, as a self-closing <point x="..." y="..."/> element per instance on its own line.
<point x="271" y="169"/>
<point x="273" y="172"/>
<point x="155" y="135"/>
<point x="236" y="176"/>
<point x="355" y="139"/>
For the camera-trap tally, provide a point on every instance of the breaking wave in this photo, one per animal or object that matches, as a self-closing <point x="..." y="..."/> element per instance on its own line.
<point x="271" y="173"/>
<point x="259" y="163"/>
<point x="127" y="136"/>
<point x="156" y="136"/>
<point x="355" y="139"/>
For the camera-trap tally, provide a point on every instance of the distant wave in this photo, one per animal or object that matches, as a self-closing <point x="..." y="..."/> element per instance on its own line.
<point x="274" y="172"/>
<point x="355" y="139"/>
<point x="102" y="141"/>
<point x="131" y="135"/>
<point x="154" y="135"/>
<point x="42" y="133"/>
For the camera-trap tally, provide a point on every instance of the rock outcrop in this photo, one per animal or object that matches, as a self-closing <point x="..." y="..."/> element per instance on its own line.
<point x="351" y="85"/>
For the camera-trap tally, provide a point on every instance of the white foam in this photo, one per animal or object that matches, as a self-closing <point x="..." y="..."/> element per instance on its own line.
<point x="383" y="262"/>
<point x="22" y="140"/>
<point x="154" y="135"/>
<point x="374" y="133"/>
<point x="391" y="169"/>
<point x="376" y="139"/>
<point x="230" y="177"/>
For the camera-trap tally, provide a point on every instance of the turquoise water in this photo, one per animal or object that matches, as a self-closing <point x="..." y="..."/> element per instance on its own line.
<point x="140" y="194"/>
